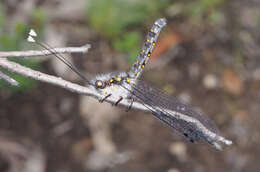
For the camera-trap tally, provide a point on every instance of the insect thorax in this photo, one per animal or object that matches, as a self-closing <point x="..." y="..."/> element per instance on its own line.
<point x="116" y="85"/>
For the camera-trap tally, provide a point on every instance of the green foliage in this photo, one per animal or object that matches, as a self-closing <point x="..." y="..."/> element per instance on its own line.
<point x="24" y="83"/>
<point x="130" y="43"/>
<point x="113" y="18"/>
<point x="203" y="9"/>
<point x="16" y="40"/>
<point x="39" y="19"/>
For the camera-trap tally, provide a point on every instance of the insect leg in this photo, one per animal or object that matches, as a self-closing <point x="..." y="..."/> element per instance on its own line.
<point x="103" y="99"/>
<point x="130" y="105"/>
<point x="118" y="101"/>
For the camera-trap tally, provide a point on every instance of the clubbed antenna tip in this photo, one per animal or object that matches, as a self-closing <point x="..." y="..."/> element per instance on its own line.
<point x="32" y="33"/>
<point x="30" y="39"/>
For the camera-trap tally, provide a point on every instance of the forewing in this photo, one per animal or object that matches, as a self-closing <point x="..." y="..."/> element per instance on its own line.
<point x="173" y="112"/>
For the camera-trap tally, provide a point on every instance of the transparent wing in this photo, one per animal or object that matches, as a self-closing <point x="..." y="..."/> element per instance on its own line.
<point x="163" y="100"/>
<point x="174" y="113"/>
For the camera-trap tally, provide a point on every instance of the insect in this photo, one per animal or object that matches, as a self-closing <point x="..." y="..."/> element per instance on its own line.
<point x="118" y="86"/>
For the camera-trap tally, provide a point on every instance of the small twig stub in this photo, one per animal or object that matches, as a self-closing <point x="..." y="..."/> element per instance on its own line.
<point x="8" y="79"/>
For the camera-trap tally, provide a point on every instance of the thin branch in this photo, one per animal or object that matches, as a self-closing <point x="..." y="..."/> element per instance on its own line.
<point x="23" y="54"/>
<point x="27" y="72"/>
<point x="8" y="79"/>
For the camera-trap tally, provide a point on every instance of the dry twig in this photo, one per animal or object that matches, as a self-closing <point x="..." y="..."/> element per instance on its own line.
<point x="8" y="79"/>
<point x="31" y="53"/>
<point x="27" y="72"/>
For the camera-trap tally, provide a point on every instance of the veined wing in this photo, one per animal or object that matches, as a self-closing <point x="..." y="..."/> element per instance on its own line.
<point x="162" y="100"/>
<point x="177" y="115"/>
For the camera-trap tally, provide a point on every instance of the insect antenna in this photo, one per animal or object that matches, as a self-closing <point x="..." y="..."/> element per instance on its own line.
<point x="30" y="38"/>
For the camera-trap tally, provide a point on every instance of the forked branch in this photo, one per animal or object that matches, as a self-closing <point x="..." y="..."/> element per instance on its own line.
<point x="36" y="75"/>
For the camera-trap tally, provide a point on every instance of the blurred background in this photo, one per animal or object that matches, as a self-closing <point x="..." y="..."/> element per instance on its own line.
<point x="207" y="56"/>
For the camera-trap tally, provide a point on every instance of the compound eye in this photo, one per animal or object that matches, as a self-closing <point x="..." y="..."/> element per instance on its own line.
<point x="100" y="84"/>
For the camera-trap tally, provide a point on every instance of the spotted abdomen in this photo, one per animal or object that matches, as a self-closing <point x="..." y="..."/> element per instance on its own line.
<point x="147" y="48"/>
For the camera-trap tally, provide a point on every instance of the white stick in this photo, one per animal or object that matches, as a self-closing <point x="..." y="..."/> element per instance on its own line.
<point x="27" y="72"/>
<point x="23" y="54"/>
<point x="8" y="79"/>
